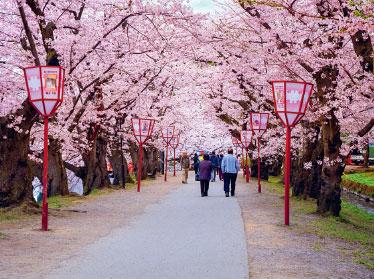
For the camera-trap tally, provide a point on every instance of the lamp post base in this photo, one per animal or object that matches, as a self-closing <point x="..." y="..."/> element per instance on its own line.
<point x="45" y="217"/>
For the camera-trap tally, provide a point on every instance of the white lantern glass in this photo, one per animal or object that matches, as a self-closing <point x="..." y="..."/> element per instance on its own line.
<point x="168" y="133"/>
<point x="259" y="122"/>
<point x="174" y="142"/>
<point x="246" y="138"/>
<point x="142" y="128"/>
<point x="45" y="87"/>
<point x="291" y="99"/>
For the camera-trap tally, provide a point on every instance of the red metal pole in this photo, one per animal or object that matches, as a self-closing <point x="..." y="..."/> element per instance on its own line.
<point x="243" y="160"/>
<point x="45" y="178"/>
<point x="287" y="172"/>
<point x="258" y="166"/>
<point x="246" y="166"/>
<point x="140" y="164"/>
<point x="166" y="163"/>
<point x="174" y="162"/>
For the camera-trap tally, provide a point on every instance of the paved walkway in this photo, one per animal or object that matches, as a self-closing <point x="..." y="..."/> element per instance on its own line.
<point x="183" y="236"/>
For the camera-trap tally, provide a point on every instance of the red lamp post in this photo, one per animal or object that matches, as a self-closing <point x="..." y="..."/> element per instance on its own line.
<point x="45" y="88"/>
<point x="174" y="143"/>
<point x="243" y="159"/>
<point x="259" y="122"/>
<point x="167" y="134"/>
<point x="246" y="138"/>
<point x="142" y="129"/>
<point x="291" y="100"/>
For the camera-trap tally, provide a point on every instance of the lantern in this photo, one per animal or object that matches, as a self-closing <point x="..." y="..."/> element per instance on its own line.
<point x="246" y="139"/>
<point x="45" y="90"/>
<point x="259" y="122"/>
<point x="174" y="143"/>
<point x="291" y="100"/>
<point x="167" y="134"/>
<point x="45" y="87"/>
<point x="142" y="129"/>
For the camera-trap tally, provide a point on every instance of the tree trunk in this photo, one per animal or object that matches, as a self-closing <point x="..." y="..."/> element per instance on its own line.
<point x="332" y="169"/>
<point x="116" y="160"/>
<point x="264" y="169"/>
<point x="307" y="182"/>
<point x="275" y="168"/>
<point x="146" y="162"/>
<point x="96" y="166"/>
<point x="15" y="174"/>
<point x="366" y="155"/>
<point x="150" y="159"/>
<point x="134" y="153"/>
<point x="57" y="177"/>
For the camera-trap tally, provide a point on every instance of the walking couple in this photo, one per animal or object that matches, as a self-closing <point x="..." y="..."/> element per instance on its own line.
<point x="230" y="168"/>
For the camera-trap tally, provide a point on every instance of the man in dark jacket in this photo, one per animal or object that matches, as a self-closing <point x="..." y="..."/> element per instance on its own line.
<point x="214" y="160"/>
<point x="205" y="171"/>
<point x="196" y="163"/>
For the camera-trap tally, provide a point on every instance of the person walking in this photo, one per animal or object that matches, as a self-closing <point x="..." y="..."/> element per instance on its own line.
<point x="185" y="164"/>
<point x="219" y="168"/>
<point x="205" y="173"/>
<point x="214" y="160"/>
<point x="196" y="163"/>
<point x="230" y="168"/>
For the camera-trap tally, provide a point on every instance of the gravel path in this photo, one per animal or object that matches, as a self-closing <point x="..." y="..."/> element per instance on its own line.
<point x="182" y="236"/>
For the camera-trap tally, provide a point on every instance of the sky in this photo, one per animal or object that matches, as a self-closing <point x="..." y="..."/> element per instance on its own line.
<point x="203" y="6"/>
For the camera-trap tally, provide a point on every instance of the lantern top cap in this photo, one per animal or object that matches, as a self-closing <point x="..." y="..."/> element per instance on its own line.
<point x="43" y="66"/>
<point x="140" y="118"/>
<point x="259" y="112"/>
<point x="291" y="81"/>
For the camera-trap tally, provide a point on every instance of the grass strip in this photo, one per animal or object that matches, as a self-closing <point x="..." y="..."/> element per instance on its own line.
<point x="362" y="182"/>
<point x="354" y="225"/>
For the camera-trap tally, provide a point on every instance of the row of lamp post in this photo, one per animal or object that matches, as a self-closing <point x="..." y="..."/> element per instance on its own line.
<point x="142" y="129"/>
<point x="45" y="88"/>
<point x="174" y="143"/>
<point x="167" y="134"/>
<point x="291" y="99"/>
<point x="259" y="123"/>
